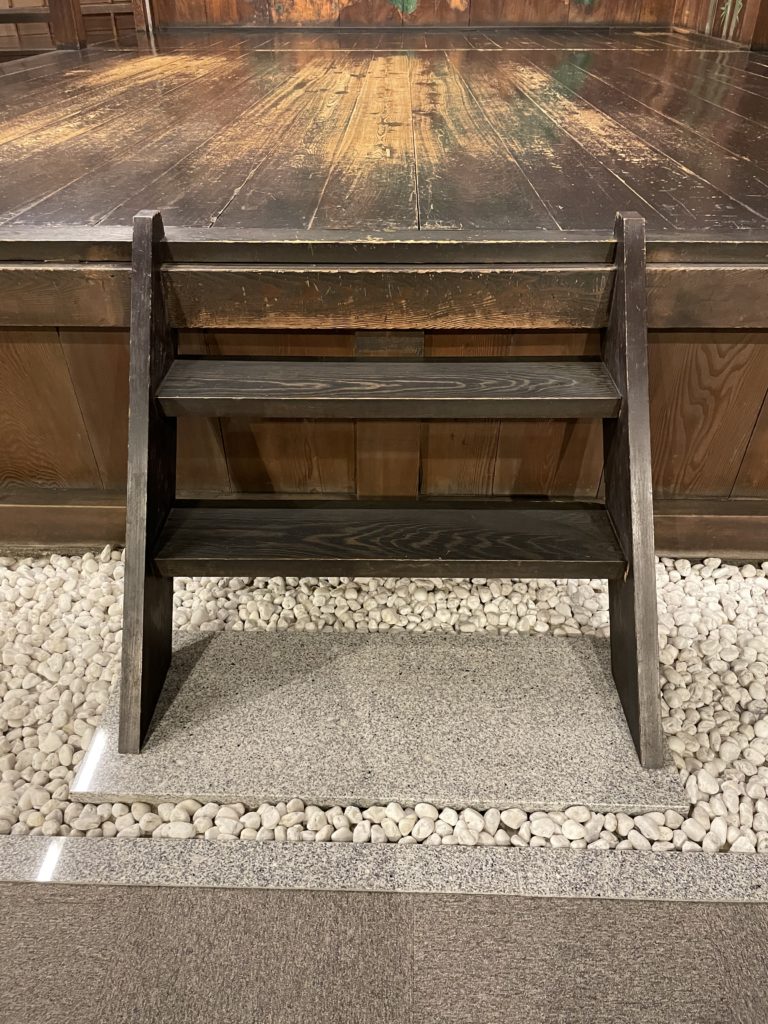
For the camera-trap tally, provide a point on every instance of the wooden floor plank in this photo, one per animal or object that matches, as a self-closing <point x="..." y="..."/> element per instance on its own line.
<point x="685" y="200"/>
<point x="198" y="190"/>
<point x="376" y="130"/>
<point x="468" y="174"/>
<point x="552" y="158"/>
<point x="111" y="88"/>
<point x="97" y="171"/>
<point x="702" y="96"/>
<point x="370" y="183"/>
<point x="613" y="92"/>
<point x="285" y="187"/>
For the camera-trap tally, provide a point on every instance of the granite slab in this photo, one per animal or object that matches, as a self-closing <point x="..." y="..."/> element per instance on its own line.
<point x="460" y="721"/>
<point x="548" y="873"/>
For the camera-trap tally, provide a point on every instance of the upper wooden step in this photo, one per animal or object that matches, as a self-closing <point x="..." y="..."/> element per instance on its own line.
<point x="293" y="389"/>
<point x="532" y="541"/>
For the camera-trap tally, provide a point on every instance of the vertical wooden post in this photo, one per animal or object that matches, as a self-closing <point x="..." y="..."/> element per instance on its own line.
<point x="67" y="24"/>
<point x="140" y="16"/>
<point x="629" y="497"/>
<point x="148" y="597"/>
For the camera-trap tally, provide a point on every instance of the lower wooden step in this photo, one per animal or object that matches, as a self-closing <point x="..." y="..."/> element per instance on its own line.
<point x="531" y="541"/>
<point x="434" y="389"/>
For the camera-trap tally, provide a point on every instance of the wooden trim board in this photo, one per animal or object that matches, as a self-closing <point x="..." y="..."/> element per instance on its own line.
<point x="40" y="519"/>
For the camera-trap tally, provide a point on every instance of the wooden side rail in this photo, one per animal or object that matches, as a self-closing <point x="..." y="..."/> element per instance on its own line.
<point x="64" y="17"/>
<point x="629" y="496"/>
<point x="148" y="596"/>
<point x="167" y="538"/>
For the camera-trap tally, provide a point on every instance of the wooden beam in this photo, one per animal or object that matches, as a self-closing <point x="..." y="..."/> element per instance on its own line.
<point x="629" y="498"/>
<point x="692" y="297"/>
<point x="42" y="519"/>
<point x="148" y="597"/>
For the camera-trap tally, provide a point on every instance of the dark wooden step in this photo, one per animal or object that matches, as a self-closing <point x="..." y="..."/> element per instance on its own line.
<point x="535" y="540"/>
<point x="293" y="389"/>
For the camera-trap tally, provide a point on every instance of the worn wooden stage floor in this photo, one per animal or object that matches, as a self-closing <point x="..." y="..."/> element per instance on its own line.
<point x="375" y="131"/>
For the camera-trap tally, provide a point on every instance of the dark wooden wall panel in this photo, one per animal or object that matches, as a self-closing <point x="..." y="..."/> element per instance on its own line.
<point x="736" y="20"/>
<point x="45" y="438"/>
<point x="63" y="420"/>
<point x="760" y="31"/>
<point x="416" y="13"/>
<point x="706" y="394"/>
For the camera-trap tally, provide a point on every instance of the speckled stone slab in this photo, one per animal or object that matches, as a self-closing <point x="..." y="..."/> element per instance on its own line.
<point x="587" y="874"/>
<point x="338" y="718"/>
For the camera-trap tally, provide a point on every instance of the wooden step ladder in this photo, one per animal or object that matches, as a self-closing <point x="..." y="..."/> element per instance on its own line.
<point x="166" y="537"/>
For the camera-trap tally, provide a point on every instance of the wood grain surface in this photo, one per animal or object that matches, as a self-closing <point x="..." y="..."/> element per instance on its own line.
<point x="532" y="541"/>
<point x="148" y="598"/>
<point x="504" y="130"/>
<point x="567" y="123"/>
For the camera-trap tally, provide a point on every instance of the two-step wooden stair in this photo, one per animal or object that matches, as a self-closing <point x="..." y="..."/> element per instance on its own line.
<point x="167" y="537"/>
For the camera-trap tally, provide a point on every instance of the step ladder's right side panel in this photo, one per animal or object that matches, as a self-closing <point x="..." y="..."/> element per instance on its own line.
<point x="629" y="497"/>
<point x="148" y="596"/>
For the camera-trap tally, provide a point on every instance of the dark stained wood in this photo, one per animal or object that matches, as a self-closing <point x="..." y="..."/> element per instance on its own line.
<point x="371" y="181"/>
<point x="97" y="365"/>
<point x="285" y="188"/>
<point x="389" y="542"/>
<point x="388" y="452"/>
<point x="553" y="159"/>
<point x="45" y="437"/>
<point x="22" y="15"/>
<point x="632" y="158"/>
<point x="613" y="92"/>
<point x="67" y="25"/>
<point x="41" y="518"/>
<point x="732" y="527"/>
<point x="388" y="390"/>
<point x="707" y="390"/>
<point x="111" y="244"/>
<point x="201" y="454"/>
<point x="209" y="150"/>
<point x="553" y="298"/>
<point x="44" y="519"/>
<point x="465" y="165"/>
<point x="629" y="499"/>
<point x="752" y="480"/>
<point x="148" y="597"/>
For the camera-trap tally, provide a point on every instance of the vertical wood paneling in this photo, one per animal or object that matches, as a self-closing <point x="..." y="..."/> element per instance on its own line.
<point x="706" y="393"/>
<point x="44" y="436"/>
<point x="558" y="458"/>
<point x="97" y="362"/>
<point x="752" y="481"/>
<point x="460" y="458"/>
<point x="279" y="455"/>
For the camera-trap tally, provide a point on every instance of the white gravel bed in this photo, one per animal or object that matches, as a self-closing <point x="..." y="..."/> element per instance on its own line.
<point x="60" y="635"/>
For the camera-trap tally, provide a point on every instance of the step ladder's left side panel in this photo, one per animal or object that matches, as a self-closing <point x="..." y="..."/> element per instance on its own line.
<point x="629" y="498"/>
<point x="148" y="596"/>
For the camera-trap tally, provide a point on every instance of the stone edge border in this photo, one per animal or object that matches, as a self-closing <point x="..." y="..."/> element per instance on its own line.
<point x="587" y="874"/>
